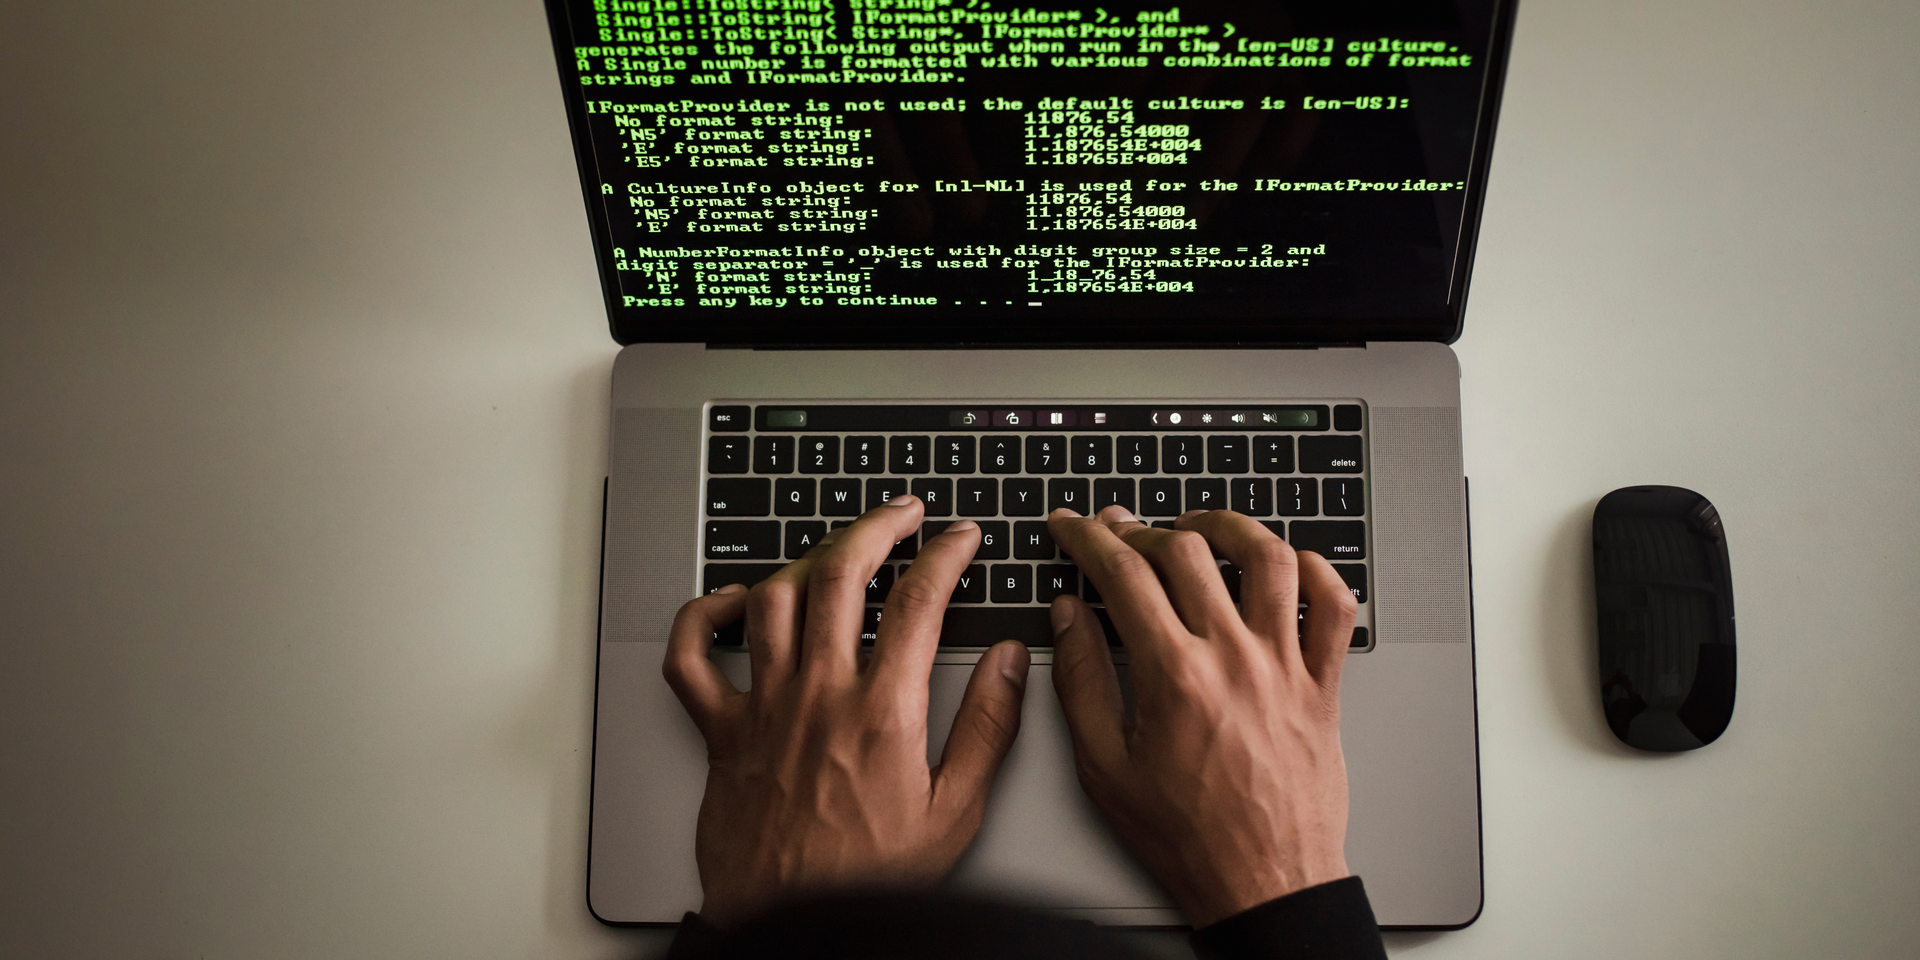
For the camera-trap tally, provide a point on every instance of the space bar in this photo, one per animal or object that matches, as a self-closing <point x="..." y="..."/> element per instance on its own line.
<point x="986" y="626"/>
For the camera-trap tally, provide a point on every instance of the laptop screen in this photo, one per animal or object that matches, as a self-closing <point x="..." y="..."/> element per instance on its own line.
<point x="989" y="172"/>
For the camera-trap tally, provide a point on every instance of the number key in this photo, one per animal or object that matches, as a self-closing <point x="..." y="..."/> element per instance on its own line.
<point x="1138" y="455"/>
<point x="953" y="454"/>
<point x="999" y="454"/>
<point x="819" y="454"/>
<point x="866" y="454"/>
<point x="1092" y="454"/>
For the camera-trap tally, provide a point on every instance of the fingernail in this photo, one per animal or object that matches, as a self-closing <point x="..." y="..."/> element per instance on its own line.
<point x="902" y="500"/>
<point x="1124" y="515"/>
<point x="1064" y="512"/>
<point x="961" y="526"/>
<point x="1013" y="664"/>
<point x="733" y="588"/>
<point x="1061" y="613"/>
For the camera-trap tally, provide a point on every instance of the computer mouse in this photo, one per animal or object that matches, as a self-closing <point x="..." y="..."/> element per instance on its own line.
<point x="1665" y="597"/>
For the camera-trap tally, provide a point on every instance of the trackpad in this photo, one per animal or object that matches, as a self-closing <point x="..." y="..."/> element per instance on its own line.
<point x="1043" y="841"/>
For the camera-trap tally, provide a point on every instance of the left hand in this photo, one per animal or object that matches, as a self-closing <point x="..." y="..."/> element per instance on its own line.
<point x="817" y="776"/>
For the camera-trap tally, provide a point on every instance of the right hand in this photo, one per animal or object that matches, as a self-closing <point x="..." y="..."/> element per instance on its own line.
<point x="1230" y="785"/>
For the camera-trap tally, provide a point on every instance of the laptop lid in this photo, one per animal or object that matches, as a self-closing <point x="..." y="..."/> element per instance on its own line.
<point x="967" y="172"/>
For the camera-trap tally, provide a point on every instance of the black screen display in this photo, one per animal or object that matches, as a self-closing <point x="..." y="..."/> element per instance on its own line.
<point x="971" y="171"/>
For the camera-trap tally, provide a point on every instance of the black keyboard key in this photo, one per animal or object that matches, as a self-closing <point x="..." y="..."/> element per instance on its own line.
<point x="1022" y="497"/>
<point x="1089" y="592"/>
<point x="910" y="455"/>
<point x="1333" y="539"/>
<point x="1011" y="582"/>
<point x="727" y="454"/>
<point x="1206" y="493"/>
<point x="1252" y="496"/>
<point x="1230" y="575"/>
<point x="1296" y="498"/>
<point x="1329" y="454"/>
<point x="837" y="524"/>
<point x="1226" y="454"/>
<point x="819" y="454"/>
<point x="953" y="454"/>
<point x="1068" y="492"/>
<point x="1359" y="638"/>
<point x="870" y="626"/>
<point x="1056" y="579"/>
<point x="971" y="588"/>
<point x="979" y="498"/>
<point x="1355" y="574"/>
<point x="1137" y="455"/>
<point x="1272" y="454"/>
<point x="804" y="535"/>
<point x="1165" y="525"/>
<point x="793" y="497"/>
<point x="905" y="549"/>
<point x="1092" y="454"/>
<point x="994" y="540"/>
<point x="1341" y="497"/>
<point x="1108" y="491"/>
<point x="772" y="454"/>
<point x="743" y="539"/>
<point x="936" y="494"/>
<point x="986" y="626"/>
<point x="1046" y="454"/>
<point x="880" y="490"/>
<point x="1279" y="527"/>
<point x="1347" y="417"/>
<point x="1180" y="455"/>
<point x="1031" y="541"/>
<point x="717" y="575"/>
<point x="866" y="454"/>
<point x="1159" y="497"/>
<point x="742" y="497"/>
<point x="840" y="497"/>
<point x="932" y="528"/>
<point x="729" y="419"/>
<point x="880" y="584"/>
<point x="999" y="454"/>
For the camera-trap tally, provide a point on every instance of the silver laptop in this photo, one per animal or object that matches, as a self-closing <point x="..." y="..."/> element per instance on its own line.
<point x="1202" y="256"/>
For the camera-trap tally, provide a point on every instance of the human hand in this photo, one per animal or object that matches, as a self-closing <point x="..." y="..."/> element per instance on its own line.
<point x="1230" y="785"/>
<point x="817" y="777"/>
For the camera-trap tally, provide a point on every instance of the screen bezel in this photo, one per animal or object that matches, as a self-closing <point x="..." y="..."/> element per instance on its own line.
<point x="637" y="325"/>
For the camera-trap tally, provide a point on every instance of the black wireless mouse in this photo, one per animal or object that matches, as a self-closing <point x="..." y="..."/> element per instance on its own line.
<point x="1665" y="593"/>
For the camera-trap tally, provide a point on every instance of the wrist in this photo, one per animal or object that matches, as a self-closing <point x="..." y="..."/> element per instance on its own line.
<point x="1225" y="896"/>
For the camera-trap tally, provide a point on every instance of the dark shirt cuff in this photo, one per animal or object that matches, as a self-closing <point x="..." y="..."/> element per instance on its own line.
<point x="694" y="938"/>
<point x="1332" y="921"/>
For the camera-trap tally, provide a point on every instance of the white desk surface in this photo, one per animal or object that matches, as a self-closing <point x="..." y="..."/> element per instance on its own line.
<point x="302" y="404"/>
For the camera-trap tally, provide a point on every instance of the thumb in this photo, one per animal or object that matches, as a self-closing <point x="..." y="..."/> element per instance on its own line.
<point x="983" y="731"/>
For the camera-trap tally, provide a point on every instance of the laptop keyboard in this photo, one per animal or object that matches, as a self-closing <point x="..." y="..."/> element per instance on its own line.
<point x="778" y="476"/>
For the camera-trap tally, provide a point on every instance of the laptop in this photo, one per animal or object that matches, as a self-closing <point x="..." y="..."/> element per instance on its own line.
<point x="1013" y="257"/>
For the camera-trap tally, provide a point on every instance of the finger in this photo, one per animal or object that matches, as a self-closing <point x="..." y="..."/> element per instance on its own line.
<point x="1269" y="575"/>
<point x="837" y="585"/>
<point x="776" y="613"/>
<point x="1185" y="564"/>
<point x="910" y="623"/>
<point x="1329" y="625"/>
<point x="703" y="690"/>
<point x="983" y="731"/>
<point x="1088" y="686"/>
<point x="1126" y="581"/>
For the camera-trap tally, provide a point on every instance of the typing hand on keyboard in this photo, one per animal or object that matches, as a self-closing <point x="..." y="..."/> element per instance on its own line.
<point x="818" y="777"/>
<point x="1230" y="785"/>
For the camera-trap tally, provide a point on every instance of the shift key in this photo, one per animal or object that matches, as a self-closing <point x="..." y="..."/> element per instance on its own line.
<point x="1332" y="539"/>
<point x="743" y="539"/>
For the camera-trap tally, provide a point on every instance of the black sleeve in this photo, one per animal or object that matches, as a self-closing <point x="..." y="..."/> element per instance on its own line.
<point x="1332" y="921"/>
<point x="694" y="938"/>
